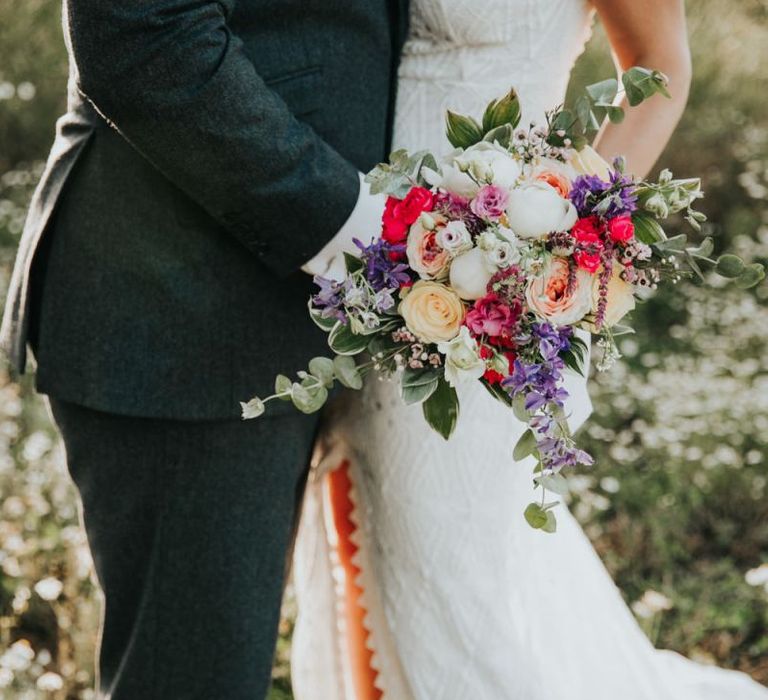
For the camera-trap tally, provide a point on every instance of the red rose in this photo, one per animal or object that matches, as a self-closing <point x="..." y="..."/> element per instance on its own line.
<point x="416" y="201"/>
<point x="394" y="229"/>
<point x="587" y="261"/>
<point x="587" y="231"/>
<point x="621" y="229"/>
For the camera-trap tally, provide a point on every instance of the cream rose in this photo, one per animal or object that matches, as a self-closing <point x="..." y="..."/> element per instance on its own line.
<point x="536" y="209"/>
<point x="425" y="254"/>
<point x="548" y="296"/>
<point x="588" y="162"/>
<point x="462" y="360"/>
<point x="432" y="312"/>
<point x="621" y="297"/>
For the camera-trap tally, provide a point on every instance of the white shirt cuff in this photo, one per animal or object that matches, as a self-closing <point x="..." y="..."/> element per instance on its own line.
<point x="363" y="223"/>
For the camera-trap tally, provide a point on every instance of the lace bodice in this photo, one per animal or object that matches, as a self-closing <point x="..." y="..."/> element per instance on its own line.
<point x="460" y="54"/>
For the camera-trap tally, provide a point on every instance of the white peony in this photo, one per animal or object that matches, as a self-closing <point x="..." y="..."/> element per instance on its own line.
<point x="462" y="362"/>
<point x="470" y="273"/>
<point x="536" y="209"/>
<point x="486" y="161"/>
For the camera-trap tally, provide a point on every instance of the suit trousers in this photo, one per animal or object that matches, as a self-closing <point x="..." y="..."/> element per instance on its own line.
<point x="190" y="525"/>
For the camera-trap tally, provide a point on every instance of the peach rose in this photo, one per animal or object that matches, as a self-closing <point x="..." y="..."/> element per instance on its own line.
<point x="432" y="312"/>
<point x="425" y="254"/>
<point x="556" y="174"/>
<point x="621" y="297"/>
<point x="548" y="296"/>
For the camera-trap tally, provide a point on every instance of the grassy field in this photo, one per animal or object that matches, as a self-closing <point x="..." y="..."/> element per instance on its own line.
<point x="677" y="503"/>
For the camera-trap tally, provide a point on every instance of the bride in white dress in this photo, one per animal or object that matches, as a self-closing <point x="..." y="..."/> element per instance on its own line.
<point x="416" y="576"/>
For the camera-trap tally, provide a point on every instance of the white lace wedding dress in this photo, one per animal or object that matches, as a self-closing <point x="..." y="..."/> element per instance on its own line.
<point x="416" y="576"/>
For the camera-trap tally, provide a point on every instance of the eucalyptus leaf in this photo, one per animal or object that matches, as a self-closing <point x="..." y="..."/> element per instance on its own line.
<point x="308" y="400"/>
<point x="441" y="409"/>
<point x="752" y="275"/>
<point x="705" y="248"/>
<point x="556" y="483"/>
<point x="322" y="368"/>
<point x="525" y="446"/>
<point x="346" y="372"/>
<point x="603" y="92"/>
<point x="551" y="525"/>
<point x="535" y="516"/>
<point x="729" y="265"/>
<point x="615" y="114"/>
<point x="518" y="407"/>
<point x="283" y="387"/>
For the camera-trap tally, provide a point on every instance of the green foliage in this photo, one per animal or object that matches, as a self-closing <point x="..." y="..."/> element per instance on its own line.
<point x="441" y="409"/>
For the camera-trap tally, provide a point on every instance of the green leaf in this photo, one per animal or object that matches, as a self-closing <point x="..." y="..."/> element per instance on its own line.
<point x="647" y="229"/>
<point x="344" y="342"/>
<point x="604" y="92"/>
<point x="729" y="265"/>
<point x="322" y="368"/>
<point x="586" y="116"/>
<point x="753" y="274"/>
<point x="501" y="135"/>
<point x="418" y="377"/>
<point x="535" y="516"/>
<point x="573" y="361"/>
<point x="308" y="400"/>
<point x="615" y="114"/>
<point x="346" y="372"/>
<point x="504" y="111"/>
<point x="525" y="446"/>
<point x="283" y="386"/>
<point x="253" y="409"/>
<point x="676" y="243"/>
<point x="326" y="324"/>
<point x="416" y="393"/>
<point x="352" y="263"/>
<point x="518" y="408"/>
<point x="462" y="131"/>
<point x="441" y="410"/>
<point x="705" y="248"/>
<point x="551" y="525"/>
<point x="556" y="483"/>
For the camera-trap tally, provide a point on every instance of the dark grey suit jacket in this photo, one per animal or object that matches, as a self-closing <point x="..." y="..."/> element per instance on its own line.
<point x="210" y="148"/>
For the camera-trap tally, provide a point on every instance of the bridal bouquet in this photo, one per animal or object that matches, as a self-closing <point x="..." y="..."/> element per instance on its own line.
<point x="492" y="265"/>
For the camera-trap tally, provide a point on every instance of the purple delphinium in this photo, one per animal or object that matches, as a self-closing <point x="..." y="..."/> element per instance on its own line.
<point x="540" y="382"/>
<point x="383" y="268"/>
<point x="591" y="195"/>
<point x="330" y="299"/>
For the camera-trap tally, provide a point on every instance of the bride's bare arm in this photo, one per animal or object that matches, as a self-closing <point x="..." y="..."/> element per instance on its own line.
<point x="650" y="34"/>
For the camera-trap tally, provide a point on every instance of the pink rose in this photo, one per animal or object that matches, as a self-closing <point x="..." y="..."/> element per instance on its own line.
<point x="551" y="297"/>
<point x="492" y="317"/>
<point x="587" y="261"/>
<point x="425" y="255"/>
<point x="490" y="202"/>
<point x="587" y="231"/>
<point x="621" y="229"/>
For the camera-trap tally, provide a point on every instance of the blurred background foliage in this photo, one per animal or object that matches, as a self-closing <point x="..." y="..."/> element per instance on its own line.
<point x="677" y="505"/>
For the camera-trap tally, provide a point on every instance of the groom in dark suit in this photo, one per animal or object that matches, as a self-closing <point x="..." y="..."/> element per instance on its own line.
<point x="211" y="149"/>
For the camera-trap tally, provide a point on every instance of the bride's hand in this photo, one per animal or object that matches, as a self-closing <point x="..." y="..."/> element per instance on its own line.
<point x="660" y="44"/>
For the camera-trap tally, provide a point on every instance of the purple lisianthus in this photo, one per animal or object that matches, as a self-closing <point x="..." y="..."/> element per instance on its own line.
<point x="490" y="202"/>
<point x="383" y="266"/>
<point x="591" y="195"/>
<point x="330" y="299"/>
